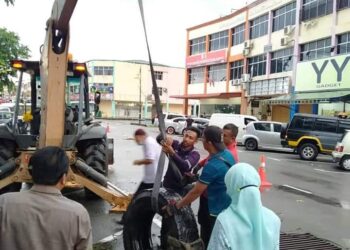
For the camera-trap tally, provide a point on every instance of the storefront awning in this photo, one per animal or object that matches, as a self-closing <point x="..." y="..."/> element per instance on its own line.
<point x="311" y="98"/>
<point x="206" y="96"/>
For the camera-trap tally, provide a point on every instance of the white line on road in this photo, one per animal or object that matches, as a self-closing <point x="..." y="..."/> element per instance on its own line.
<point x="298" y="189"/>
<point x="327" y="171"/>
<point x="274" y="159"/>
<point x="111" y="237"/>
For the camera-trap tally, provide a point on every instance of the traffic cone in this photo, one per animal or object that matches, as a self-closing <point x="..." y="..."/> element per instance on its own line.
<point x="262" y="173"/>
<point x="107" y="129"/>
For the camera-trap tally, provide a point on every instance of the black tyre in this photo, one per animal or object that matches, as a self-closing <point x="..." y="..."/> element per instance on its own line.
<point x="94" y="153"/>
<point x="308" y="151"/>
<point x="251" y="144"/>
<point x="138" y="222"/>
<point x="170" y="130"/>
<point x="345" y="163"/>
<point x="7" y="151"/>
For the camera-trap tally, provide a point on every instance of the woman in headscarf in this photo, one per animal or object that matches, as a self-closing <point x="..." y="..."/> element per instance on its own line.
<point x="246" y="224"/>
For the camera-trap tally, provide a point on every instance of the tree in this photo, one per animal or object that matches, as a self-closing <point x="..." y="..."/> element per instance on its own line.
<point x="10" y="48"/>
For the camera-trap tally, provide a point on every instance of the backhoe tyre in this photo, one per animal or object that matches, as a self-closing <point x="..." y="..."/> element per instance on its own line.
<point x="7" y="151"/>
<point x="94" y="153"/>
<point x="181" y="226"/>
<point x="308" y="151"/>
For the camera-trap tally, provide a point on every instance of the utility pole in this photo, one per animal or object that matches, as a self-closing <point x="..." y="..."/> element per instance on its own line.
<point x="140" y="104"/>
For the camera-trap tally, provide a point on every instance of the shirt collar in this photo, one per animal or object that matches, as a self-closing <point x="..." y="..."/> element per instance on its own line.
<point x="45" y="189"/>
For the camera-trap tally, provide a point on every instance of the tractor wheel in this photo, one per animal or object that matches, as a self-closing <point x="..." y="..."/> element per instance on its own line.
<point x="94" y="153"/>
<point x="176" y="232"/>
<point x="7" y="151"/>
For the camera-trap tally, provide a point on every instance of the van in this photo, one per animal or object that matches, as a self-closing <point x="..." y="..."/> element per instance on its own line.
<point x="241" y="121"/>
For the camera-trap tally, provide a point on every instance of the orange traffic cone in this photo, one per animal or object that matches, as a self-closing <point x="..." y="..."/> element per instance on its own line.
<point x="107" y="129"/>
<point x="262" y="173"/>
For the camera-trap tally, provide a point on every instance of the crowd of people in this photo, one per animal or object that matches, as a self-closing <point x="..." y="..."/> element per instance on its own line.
<point x="230" y="214"/>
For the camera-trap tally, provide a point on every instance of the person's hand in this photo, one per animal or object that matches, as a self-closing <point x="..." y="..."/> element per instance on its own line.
<point x="168" y="149"/>
<point x="170" y="209"/>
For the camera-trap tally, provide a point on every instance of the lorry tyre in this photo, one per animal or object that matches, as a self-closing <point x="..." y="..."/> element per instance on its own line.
<point x="94" y="153"/>
<point x="7" y="151"/>
<point x="177" y="230"/>
<point x="308" y="151"/>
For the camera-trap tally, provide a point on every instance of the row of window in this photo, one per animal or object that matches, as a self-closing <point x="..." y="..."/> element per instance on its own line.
<point x="281" y="60"/>
<point x="282" y="17"/>
<point x="103" y="71"/>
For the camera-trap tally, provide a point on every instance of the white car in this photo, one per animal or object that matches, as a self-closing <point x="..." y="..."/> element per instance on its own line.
<point x="172" y="125"/>
<point x="341" y="154"/>
<point x="197" y="122"/>
<point x="168" y="116"/>
<point x="263" y="134"/>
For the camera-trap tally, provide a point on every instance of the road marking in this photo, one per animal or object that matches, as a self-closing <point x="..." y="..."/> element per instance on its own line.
<point x="327" y="171"/>
<point x="111" y="237"/>
<point x="239" y="151"/>
<point x="274" y="159"/>
<point x="157" y="222"/>
<point x="345" y="205"/>
<point x="298" y="189"/>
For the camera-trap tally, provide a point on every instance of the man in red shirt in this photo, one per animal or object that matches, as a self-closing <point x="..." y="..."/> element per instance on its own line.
<point x="230" y="132"/>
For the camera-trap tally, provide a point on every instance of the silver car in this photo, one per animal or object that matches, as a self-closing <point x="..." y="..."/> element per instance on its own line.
<point x="263" y="134"/>
<point x="197" y="122"/>
<point x="171" y="125"/>
<point x="5" y="116"/>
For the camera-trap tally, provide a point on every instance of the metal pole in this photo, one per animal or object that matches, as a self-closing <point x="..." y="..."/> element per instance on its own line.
<point x="140" y="104"/>
<point x="18" y="97"/>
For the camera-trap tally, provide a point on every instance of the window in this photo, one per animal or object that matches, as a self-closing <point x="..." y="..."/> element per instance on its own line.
<point x="282" y="60"/>
<point x="217" y="73"/>
<point x="248" y="120"/>
<point x="344" y="43"/>
<point x="236" y="70"/>
<point x="343" y="125"/>
<point x="262" y="126"/>
<point x="257" y="65"/>
<point x="304" y="123"/>
<point x="316" y="49"/>
<point x="326" y="125"/>
<point x="103" y="70"/>
<point x="258" y="26"/>
<point x="218" y="40"/>
<point x="158" y="75"/>
<point x="197" y="46"/>
<point x="196" y="75"/>
<point x="316" y="8"/>
<point x="342" y="4"/>
<point x="238" y="34"/>
<point x="277" y="128"/>
<point x="284" y="16"/>
<point x="173" y="116"/>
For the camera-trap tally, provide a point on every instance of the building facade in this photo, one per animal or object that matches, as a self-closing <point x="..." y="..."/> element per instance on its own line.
<point x="126" y="88"/>
<point x="248" y="62"/>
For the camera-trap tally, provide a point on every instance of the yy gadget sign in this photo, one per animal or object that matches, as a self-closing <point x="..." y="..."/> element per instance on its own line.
<point x="331" y="73"/>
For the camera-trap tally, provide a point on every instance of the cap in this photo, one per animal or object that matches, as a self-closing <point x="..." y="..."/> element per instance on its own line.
<point x="215" y="136"/>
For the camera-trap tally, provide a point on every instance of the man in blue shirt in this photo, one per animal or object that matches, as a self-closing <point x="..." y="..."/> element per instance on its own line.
<point x="212" y="178"/>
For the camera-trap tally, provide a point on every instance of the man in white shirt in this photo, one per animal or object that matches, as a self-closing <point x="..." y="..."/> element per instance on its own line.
<point x="151" y="152"/>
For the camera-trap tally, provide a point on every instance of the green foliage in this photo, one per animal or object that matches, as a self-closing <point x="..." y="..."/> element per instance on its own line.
<point x="10" y="48"/>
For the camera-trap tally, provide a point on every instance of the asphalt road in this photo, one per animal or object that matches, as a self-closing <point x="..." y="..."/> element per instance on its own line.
<point x="309" y="197"/>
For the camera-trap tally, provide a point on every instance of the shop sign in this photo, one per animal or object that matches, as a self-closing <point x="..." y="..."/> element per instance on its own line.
<point x="212" y="57"/>
<point x="332" y="73"/>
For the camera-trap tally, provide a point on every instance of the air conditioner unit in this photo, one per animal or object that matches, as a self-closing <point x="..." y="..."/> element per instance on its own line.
<point x="244" y="85"/>
<point x="284" y="41"/>
<point x="248" y="44"/>
<point x="235" y="82"/>
<point x="246" y="52"/>
<point x="288" y="30"/>
<point x="245" y="78"/>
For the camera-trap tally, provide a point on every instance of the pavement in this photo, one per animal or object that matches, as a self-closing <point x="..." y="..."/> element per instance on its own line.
<point x="309" y="197"/>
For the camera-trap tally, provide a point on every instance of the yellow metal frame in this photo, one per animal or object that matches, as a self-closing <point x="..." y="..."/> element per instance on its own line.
<point x="295" y="144"/>
<point x="74" y="180"/>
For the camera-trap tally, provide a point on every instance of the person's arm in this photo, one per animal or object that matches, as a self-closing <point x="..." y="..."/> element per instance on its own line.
<point x="186" y="165"/>
<point x="84" y="233"/>
<point x="149" y="154"/>
<point x="195" y="192"/>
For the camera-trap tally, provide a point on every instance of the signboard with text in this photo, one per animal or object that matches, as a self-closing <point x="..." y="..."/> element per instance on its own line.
<point x="331" y="73"/>
<point x="212" y="57"/>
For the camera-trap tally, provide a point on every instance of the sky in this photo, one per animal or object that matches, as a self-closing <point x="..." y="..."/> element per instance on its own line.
<point x="112" y="29"/>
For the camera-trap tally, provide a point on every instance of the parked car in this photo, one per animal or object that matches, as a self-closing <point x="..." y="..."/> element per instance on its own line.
<point x="341" y="153"/>
<point x="314" y="134"/>
<point x="168" y="116"/>
<point x="171" y="125"/>
<point x="263" y="134"/>
<point x="197" y="122"/>
<point x="241" y="121"/>
<point x="5" y="117"/>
